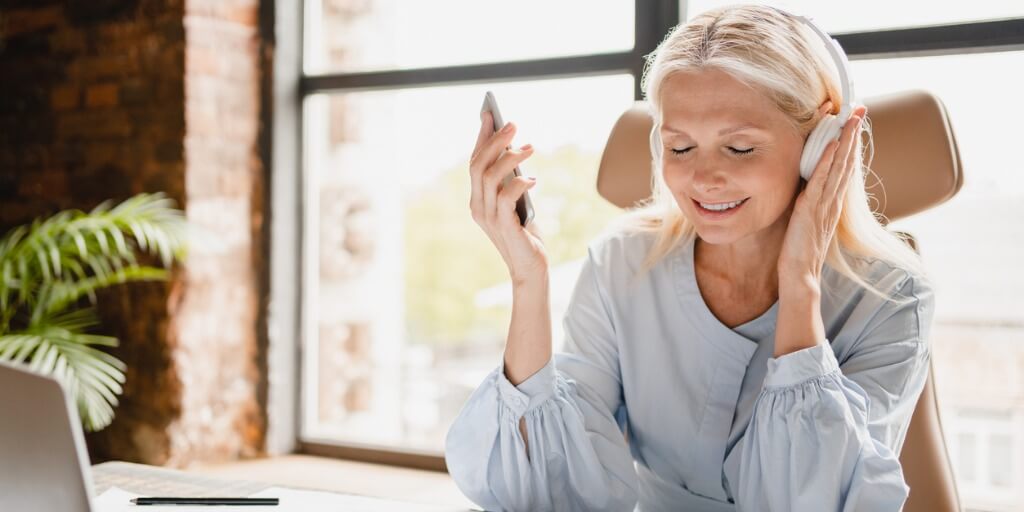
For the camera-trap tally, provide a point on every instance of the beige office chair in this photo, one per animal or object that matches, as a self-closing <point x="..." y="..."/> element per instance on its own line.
<point x="917" y="160"/>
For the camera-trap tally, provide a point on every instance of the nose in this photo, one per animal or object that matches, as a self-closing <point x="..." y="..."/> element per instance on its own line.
<point x="707" y="179"/>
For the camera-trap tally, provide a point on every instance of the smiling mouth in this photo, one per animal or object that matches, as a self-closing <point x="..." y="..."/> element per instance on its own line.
<point x="736" y="204"/>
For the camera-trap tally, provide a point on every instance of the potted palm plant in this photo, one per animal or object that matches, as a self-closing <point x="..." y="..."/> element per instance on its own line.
<point x="49" y="274"/>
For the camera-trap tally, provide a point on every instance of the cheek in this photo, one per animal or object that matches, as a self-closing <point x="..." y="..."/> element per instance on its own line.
<point x="777" y="194"/>
<point x="675" y="175"/>
<point x="771" y="183"/>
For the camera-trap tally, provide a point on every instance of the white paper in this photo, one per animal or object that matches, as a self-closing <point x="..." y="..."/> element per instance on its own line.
<point x="319" y="501"/>
<point x="291" y="500"/>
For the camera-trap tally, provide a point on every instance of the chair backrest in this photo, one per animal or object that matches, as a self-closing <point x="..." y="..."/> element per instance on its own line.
<point x="917" y="160"/>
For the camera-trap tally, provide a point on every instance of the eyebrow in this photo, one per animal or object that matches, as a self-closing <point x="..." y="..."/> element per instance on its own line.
<point x="725" y="131"/>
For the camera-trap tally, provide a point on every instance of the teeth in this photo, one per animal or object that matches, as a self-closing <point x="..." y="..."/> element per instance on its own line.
<point x="721" y="206"/>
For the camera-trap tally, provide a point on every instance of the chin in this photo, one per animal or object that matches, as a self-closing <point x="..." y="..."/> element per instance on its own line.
<point x="714" y="233"/>
<point x="718" y="235"/>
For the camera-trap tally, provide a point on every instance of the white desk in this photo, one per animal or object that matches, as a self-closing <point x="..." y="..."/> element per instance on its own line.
<point x="156" y="481"/>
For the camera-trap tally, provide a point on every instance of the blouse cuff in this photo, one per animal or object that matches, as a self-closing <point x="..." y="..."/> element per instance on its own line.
<point x="530" y="393"/>
<point x="800" y="366"/>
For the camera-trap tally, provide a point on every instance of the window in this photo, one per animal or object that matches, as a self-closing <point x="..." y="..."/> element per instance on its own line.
<point x="967" y="457"/>
<point x="986" y="445"/>
<point x="409" y="308"/>
<point x="346" y="36"/>
<point x="405" y="302"/>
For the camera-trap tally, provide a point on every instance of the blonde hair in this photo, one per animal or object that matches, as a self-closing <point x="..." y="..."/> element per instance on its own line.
<point x="786" y="61"/>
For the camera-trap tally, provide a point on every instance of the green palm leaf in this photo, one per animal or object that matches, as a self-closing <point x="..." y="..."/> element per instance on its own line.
<point x="50" y="266"/>
<point x="60" y="348"/>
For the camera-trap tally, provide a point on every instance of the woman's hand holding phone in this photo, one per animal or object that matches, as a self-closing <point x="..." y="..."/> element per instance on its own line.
<point x="494" y="206"/>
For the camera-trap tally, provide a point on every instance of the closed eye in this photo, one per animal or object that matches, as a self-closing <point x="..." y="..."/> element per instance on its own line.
<point x="734" y="150"/>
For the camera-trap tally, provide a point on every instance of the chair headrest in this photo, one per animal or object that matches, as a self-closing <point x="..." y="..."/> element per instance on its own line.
<point x="916" y="158"/>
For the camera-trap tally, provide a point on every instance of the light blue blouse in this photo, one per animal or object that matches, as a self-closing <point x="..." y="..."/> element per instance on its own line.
<point x="656" y="404"/>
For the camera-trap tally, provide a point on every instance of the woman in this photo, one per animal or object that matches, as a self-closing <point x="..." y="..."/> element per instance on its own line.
<point x="766" y="357"/>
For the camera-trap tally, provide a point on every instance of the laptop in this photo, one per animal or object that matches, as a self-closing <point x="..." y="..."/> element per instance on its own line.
<point x="43" y="461"/>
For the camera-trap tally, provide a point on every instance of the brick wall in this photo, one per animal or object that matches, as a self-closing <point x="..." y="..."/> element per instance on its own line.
<point x="222" y="411"/>
<point x="104" y="99"/>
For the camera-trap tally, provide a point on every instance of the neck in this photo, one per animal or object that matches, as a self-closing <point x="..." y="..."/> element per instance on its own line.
<point x="746" y="265"/>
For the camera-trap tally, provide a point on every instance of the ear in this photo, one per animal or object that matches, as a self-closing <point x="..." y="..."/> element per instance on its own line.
<point x="824" y="108"/>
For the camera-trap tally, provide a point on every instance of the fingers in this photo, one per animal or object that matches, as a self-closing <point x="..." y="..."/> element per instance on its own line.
<point x="484" y="155"/>
<point x="840" y="163"/>
<point x="851" y="161"/>
<point x="492" y="147"/>
<point x="496" y="173"/>
<point x="820" y="175"/>
<point x="506" y="200"/>
<point x="476" y="191"/>
<point x="486" y="130"/>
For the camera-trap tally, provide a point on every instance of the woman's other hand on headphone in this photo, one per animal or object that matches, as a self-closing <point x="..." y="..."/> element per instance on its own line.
<point x="818" y="207"/>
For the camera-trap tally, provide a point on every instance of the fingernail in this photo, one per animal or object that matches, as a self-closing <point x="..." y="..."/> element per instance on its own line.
<point x="507" y="128"/>
<point x="526" y="147"/>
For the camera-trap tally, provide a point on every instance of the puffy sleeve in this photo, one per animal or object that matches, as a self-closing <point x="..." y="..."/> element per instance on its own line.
<point x="578" y="458"/>
<point x="826" y="436"/>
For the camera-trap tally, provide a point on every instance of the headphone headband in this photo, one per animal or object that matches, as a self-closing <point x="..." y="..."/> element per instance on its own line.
<point x="838" y="56"/>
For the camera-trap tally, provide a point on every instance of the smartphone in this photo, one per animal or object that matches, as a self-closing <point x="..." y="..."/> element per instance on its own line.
<point x="524" y="207"/>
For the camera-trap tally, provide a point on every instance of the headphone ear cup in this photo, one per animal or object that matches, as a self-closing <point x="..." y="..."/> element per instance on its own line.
<point x="824" y="132"/>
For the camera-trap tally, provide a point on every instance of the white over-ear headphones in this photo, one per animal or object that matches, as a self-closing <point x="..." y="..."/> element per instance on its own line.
<point x="828" y="126"/>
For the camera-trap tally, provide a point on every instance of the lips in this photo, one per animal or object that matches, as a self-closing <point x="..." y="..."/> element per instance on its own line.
<point x="718" y="214"/>
<point x="716" y="203"/>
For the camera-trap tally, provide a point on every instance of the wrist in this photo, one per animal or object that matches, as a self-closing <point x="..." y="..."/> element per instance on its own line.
<point x="799" y="324"/>
<point x="532" y="281"/>
<point x="799" y="286"/>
